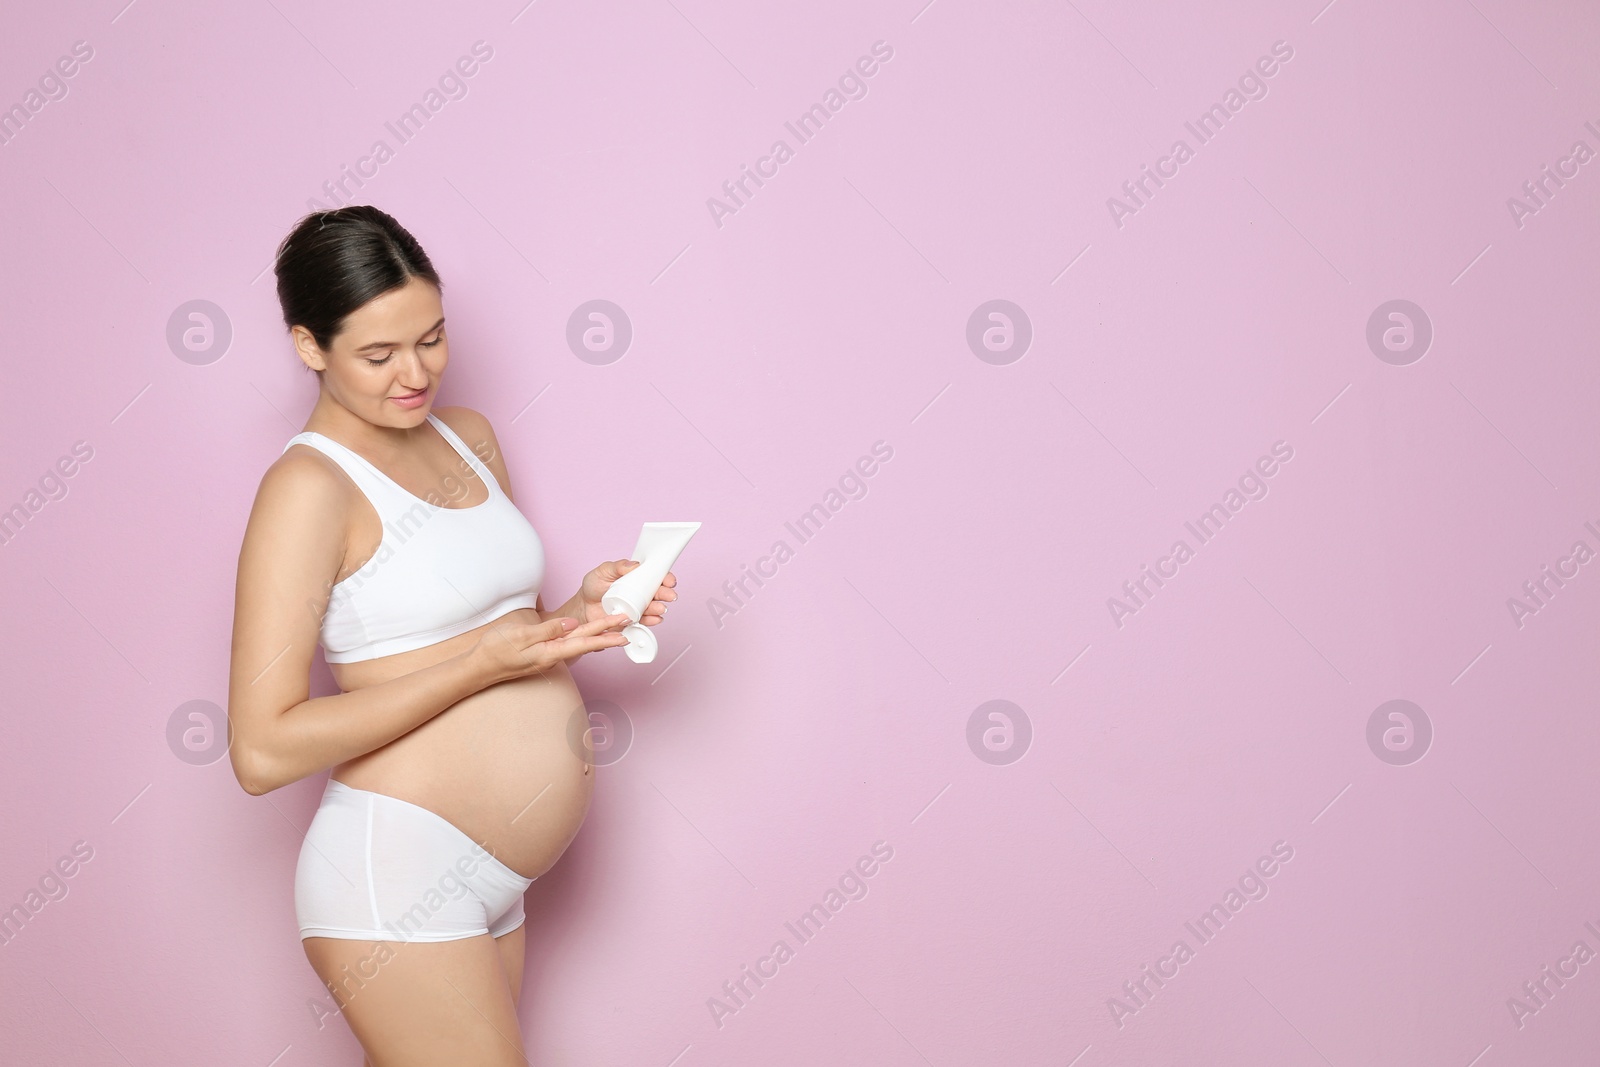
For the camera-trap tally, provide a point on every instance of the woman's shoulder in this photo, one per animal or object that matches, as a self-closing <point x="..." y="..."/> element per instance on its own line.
<point x="304" y="476"/>
<point x="477" y="434"/>
<point x="474" y="429"/>
<point x="466" y="422"/>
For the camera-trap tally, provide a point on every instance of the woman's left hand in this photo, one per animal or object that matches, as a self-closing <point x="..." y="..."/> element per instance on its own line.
<point x="597" y="581"/>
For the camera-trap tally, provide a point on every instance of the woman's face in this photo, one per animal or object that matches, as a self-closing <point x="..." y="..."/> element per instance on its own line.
<point x="385" y="364"/>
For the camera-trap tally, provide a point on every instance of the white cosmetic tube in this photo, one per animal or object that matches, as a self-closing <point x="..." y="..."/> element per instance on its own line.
<point x="657" y="550"/>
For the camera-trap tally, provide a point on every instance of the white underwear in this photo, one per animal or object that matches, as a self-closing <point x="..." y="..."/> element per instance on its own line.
<point x="377" y="868"/>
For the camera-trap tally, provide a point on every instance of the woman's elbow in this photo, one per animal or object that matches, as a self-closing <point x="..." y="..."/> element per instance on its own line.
<point x="249" y="770"/>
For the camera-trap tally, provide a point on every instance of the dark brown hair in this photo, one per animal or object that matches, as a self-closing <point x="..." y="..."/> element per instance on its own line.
<point x="335" y="261"/>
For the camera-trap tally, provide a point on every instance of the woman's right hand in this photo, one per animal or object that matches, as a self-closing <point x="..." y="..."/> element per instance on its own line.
<point x="511" y="648"/>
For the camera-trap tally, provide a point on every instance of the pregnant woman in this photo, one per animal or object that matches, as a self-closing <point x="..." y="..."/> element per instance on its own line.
<point x="458" y="743"/>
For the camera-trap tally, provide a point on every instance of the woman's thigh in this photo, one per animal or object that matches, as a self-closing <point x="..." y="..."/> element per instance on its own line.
<point x="417" y="1004"/>
<point x="512" y="952"/>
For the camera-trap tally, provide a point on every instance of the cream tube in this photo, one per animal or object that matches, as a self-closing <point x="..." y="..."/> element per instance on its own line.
<point x="657" y="550"/>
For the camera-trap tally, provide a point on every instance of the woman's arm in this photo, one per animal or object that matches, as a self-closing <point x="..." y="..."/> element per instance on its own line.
<point x="293" y="546"/>
<point x="316" y="734"/>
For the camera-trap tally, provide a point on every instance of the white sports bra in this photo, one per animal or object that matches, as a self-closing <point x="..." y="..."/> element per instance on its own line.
<point x="438" y="571"/>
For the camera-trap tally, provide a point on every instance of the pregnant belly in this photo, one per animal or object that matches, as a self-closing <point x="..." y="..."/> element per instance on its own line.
<point x="502" y="765"/>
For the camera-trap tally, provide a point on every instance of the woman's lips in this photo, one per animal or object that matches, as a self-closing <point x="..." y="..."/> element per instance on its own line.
<point x="411" y="400"/>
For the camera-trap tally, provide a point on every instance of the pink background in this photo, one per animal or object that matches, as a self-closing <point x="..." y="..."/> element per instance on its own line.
<point x="774" y="746"/>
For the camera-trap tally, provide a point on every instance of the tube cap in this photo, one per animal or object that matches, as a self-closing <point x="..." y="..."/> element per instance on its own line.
<point x="641" y="646"/>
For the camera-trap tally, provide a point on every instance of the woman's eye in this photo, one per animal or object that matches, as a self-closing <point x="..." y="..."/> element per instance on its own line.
<point x="424" y="344"/>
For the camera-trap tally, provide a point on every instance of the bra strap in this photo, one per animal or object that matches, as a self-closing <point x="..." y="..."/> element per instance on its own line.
<point x="379" y="491"/>
<point x="467" y="454"/>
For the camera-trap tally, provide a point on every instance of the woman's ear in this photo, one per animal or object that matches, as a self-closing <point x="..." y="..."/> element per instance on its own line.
<point x="305" y="347"/>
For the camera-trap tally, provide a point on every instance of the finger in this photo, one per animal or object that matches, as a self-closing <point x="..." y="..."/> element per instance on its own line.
<point x="558" y="630"/>
<point x="588" y="638"/>
<point x="572" y="648"/>
<point x="554" y="628"/>
<point x="527" y="642"/>
<point x="598" y="626"/>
